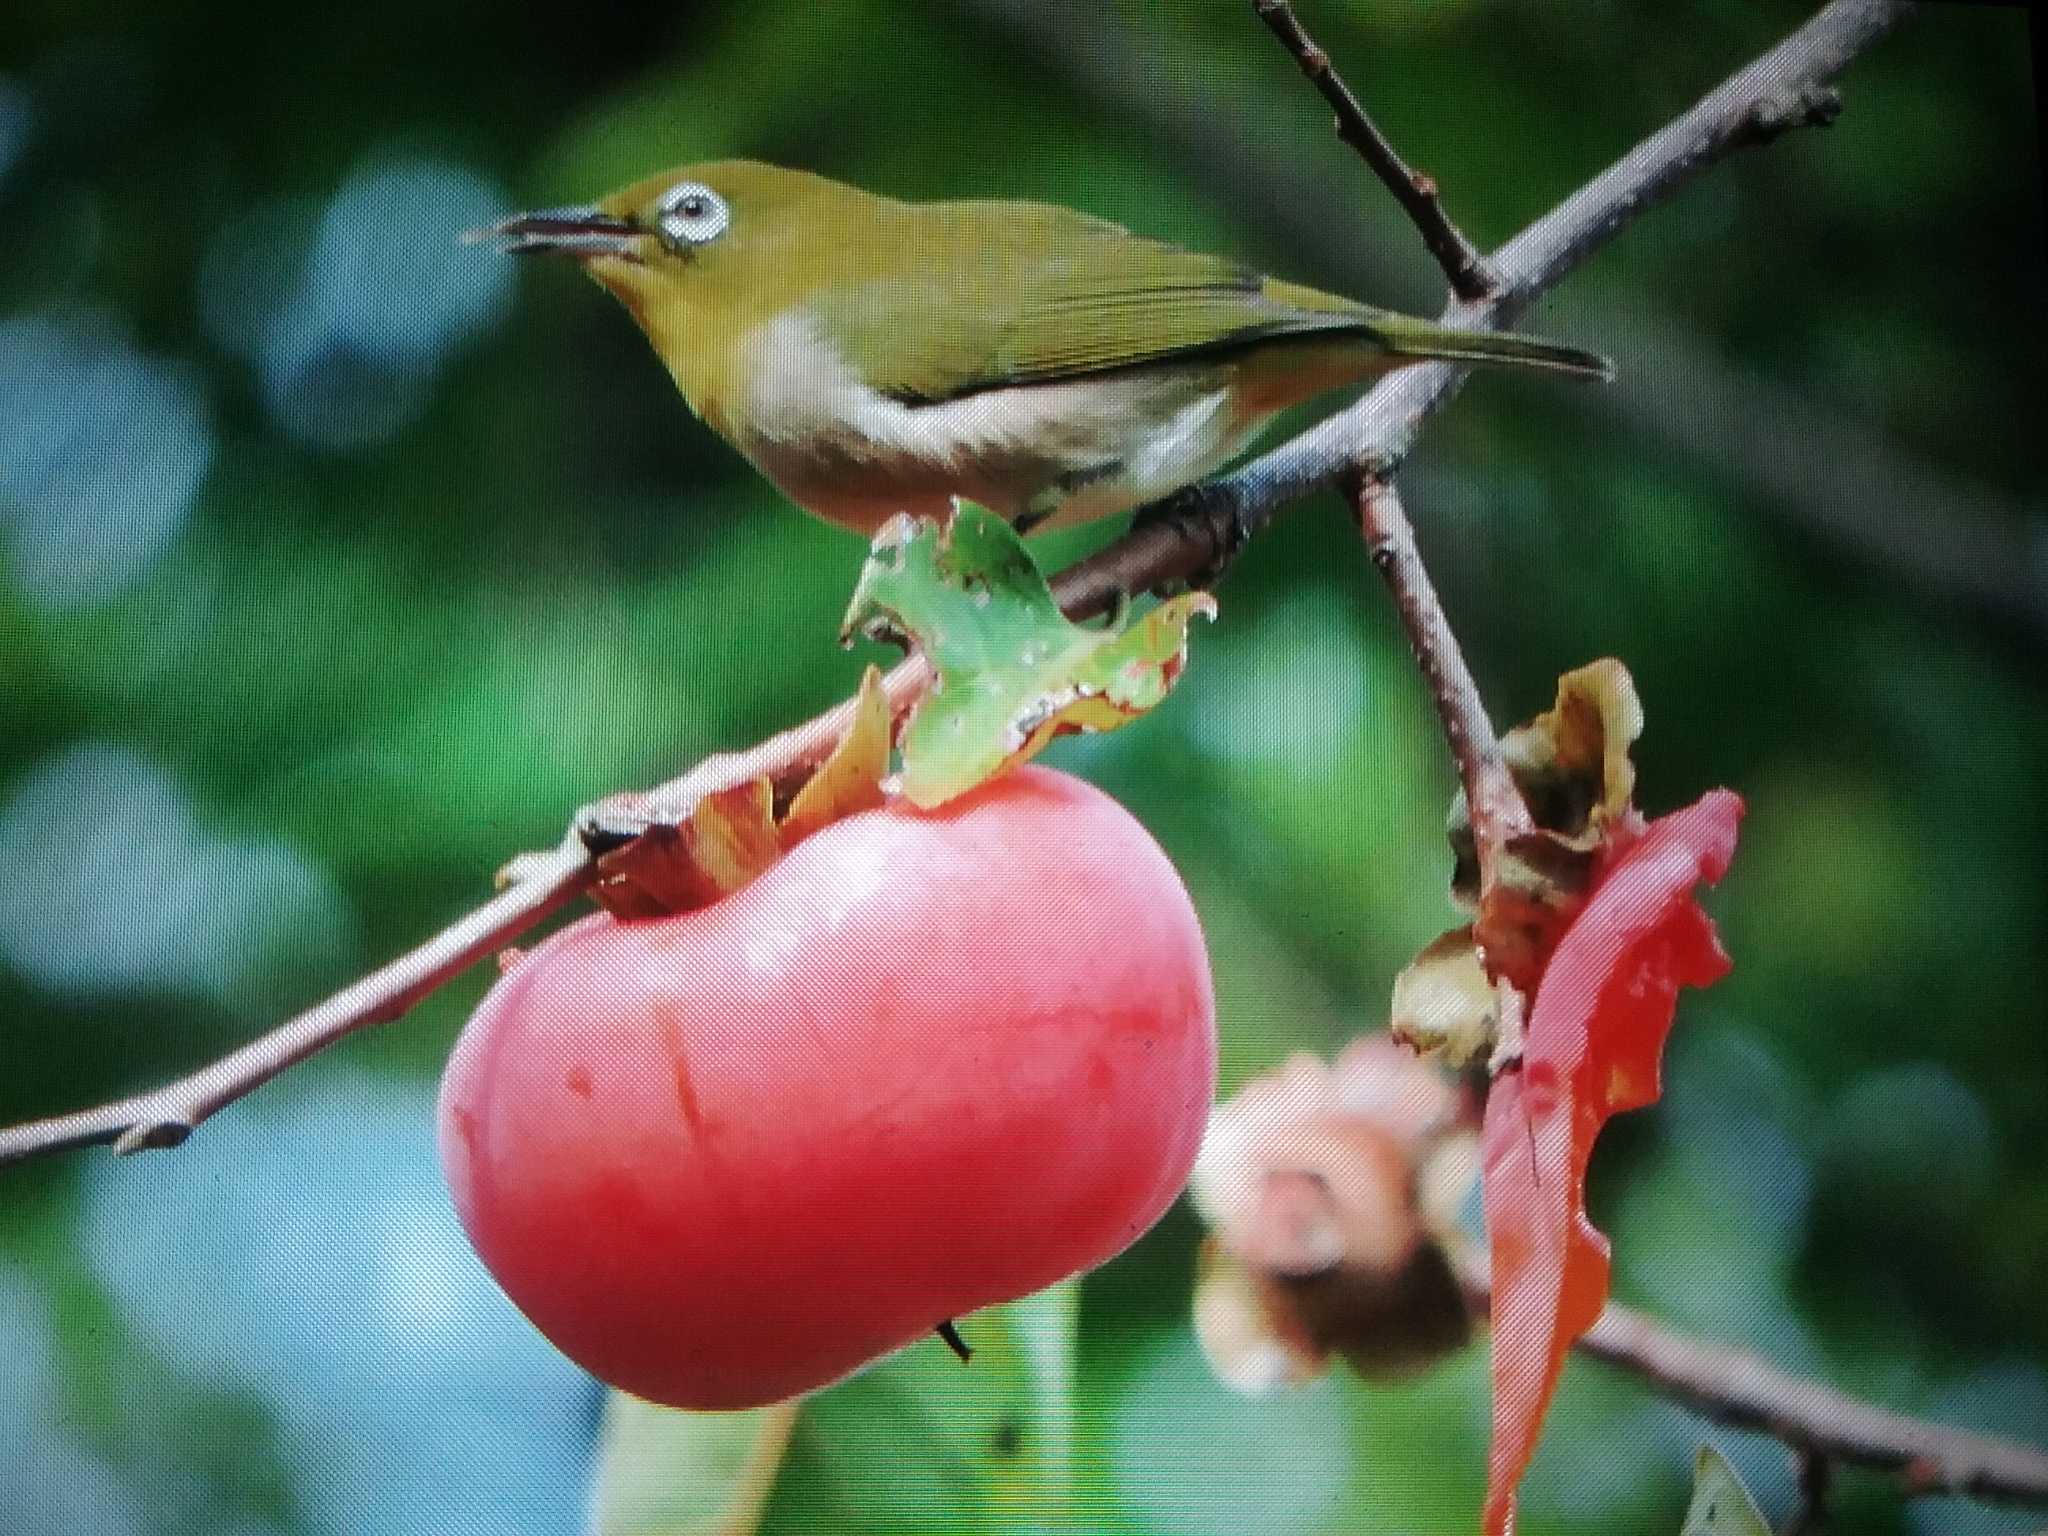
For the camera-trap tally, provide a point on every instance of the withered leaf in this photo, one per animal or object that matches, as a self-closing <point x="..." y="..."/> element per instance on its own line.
<point x="728" y="838"/>
<point x="1444" y="1002"/>
<point x="1572" y="766"/>
<point x="850" y="779"/>
<point x="1593" y="1048"/>
<point x="731" y="836"/>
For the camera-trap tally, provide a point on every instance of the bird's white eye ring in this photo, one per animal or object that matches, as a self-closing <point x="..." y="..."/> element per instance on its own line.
<point x="692" y="214"/>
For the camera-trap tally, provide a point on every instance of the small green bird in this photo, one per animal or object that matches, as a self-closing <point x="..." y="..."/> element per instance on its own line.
<point x="871" y="356"/>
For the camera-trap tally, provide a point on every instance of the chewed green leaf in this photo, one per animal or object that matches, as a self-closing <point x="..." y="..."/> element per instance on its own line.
<point x="1011" y="671"/>
<point x="1720" y="1506"/>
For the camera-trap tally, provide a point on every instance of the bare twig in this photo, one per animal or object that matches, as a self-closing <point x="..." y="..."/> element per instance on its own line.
<point x="165" y="1116"/>
<point x="1815" y="467"/>
<point x="1738" y="1388"/>
<point x="1379" y="430"/>
<point x="1469" y="275"/>
<point x="1497" y="809"/>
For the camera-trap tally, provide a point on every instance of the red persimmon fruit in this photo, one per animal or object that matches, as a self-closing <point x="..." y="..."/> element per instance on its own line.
<point x="929" y="1061"/>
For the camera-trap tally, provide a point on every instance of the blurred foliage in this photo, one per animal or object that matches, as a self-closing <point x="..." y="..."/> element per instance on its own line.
<point x="1720" y="1506"/>
<point x="338" y="562"/>
<point x="982" y="1449"/>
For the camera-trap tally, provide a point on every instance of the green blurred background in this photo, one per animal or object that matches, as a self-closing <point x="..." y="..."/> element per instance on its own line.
<point x="341" y="561"/>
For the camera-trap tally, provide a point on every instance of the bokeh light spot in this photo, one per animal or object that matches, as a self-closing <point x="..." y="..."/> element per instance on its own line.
<point x="17" y="123"/>
<point x="320" y="1266"/>
<point x="102" y="450"/>
<point x="118" y="889"/>
<point x="348" y="312"/>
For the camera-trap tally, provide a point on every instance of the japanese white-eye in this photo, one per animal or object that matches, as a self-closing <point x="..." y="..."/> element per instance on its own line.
<point x="872" y="356"/>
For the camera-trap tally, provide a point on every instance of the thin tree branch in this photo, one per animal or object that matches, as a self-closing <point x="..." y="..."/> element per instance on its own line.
<point x="1739" y="1388"/>
<point x="1495" y="804"/>
<point x="1819" y="469"/>
<point x="1378" y="431"/>
<point x="165" y="1116"/>
<point x="1821" y="1426"/>
<point x="1466" y="270"/>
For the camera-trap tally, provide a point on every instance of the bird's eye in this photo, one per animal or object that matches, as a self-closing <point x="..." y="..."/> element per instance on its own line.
<point x="692" y="214"/>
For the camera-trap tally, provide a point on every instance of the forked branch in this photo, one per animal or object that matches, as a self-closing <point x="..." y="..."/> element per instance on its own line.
<point x="1464" y="268"/>
<point x="1378" y="431"/>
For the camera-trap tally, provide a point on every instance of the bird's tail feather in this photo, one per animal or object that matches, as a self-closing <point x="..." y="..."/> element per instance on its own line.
<point x="1506" y="347"/>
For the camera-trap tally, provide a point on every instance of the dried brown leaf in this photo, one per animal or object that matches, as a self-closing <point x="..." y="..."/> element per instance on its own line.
<point x="728" y="839"/>
<point x="849" y="780"/>
<point x="1572" y="766"/>
<point x="1444" y="1002"/>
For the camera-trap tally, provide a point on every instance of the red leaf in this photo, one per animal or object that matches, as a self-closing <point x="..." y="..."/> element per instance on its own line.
<point x="1593" y="1046"/>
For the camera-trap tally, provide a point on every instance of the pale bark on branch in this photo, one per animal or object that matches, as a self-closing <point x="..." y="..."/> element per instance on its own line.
<point x="1785" y="87"/>
<point x="1922" y="526"/>
<point x="1495" y="805"/>
<point x="1821" y="1426"/>
<point x="1745" y="1391"/>
<point x="1374" y="435"/>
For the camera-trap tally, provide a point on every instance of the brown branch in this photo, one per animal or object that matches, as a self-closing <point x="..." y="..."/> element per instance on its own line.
<point x="165" y="1116"/>
<point x="1743" y="1390"/>
<point x="1467" y="271"/>
<point x="1814" y="466"/>
<point x="1739" y="1388"/>
<point x="1496" y="806"/>
<point x="1379" y="431"/>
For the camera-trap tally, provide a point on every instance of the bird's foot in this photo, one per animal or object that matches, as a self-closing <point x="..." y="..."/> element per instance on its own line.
<point x="1206" y="516"/>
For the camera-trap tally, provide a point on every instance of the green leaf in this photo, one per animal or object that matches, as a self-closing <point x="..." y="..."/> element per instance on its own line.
<point x="664" y="1472"/>
<point x="1721" y="1506"/>
<point x="1011" y="671"/>
<point x="922" y="1443"/>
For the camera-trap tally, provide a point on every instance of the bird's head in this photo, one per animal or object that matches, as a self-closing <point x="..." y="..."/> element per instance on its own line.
<point x="735" y="238"/>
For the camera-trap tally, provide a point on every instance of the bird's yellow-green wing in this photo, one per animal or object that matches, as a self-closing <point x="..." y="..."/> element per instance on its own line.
<point x="999" y="294"/>
<point x="953" y="299"/>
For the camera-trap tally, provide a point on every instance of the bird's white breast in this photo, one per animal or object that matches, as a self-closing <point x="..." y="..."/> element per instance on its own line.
<point x="1127" y="436"/>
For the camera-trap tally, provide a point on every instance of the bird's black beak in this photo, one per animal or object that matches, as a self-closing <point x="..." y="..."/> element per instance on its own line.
<point x="578" y="231"/>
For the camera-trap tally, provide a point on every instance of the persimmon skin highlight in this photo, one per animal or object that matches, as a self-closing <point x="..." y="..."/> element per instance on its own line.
<point x="928" y="1062"/>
